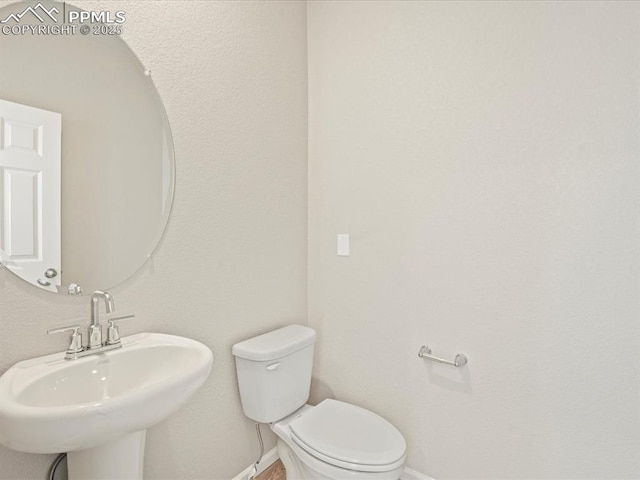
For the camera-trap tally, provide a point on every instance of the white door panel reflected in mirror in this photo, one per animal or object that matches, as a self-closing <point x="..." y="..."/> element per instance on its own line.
<point x="30" y="141"/>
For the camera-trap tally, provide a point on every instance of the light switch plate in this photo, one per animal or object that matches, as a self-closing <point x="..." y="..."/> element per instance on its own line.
<point x="343" y="245"/>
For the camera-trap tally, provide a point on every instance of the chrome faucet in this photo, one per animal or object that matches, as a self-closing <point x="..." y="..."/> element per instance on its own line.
<point x="94" y="344"/>
<point x="95" y="329"/>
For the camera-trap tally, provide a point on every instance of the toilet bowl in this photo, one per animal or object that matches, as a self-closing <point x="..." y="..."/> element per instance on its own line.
<point x="333" y="440"/>
<point x="337" y="440"/>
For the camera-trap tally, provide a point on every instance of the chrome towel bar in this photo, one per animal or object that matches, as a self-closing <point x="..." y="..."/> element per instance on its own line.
<point x="460" y="360"/>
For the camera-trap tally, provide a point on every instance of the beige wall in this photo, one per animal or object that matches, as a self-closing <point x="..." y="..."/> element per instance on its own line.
<point x="484" y="159"/>
<point x="233" y="263"/>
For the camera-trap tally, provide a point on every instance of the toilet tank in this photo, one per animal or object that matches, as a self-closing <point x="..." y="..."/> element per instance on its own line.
<point x="274" y="372"/>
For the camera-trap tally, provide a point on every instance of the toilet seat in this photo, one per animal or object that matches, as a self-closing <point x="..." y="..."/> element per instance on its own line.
<point x="349" y="437"/>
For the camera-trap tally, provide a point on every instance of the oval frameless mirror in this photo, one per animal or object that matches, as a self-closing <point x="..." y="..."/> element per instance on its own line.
<point x="86" y="155"/>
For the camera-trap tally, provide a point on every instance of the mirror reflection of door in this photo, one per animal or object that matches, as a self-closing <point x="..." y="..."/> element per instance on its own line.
<point x="30" y="167"/>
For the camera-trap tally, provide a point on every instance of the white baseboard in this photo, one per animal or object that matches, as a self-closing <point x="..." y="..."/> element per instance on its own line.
<point x="272" y="456"/>
<point x="413" y="475"/>
<point x="269" y="459"/>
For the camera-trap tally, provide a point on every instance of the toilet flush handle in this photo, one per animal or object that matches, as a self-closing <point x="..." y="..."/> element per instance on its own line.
<point x="273" y="366"/>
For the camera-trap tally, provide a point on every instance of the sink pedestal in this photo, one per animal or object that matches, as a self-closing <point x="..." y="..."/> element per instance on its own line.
<point x="122" y="459"/>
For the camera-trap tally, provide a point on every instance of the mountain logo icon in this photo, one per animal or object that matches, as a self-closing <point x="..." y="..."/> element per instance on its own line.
<point x="39" y="11"/>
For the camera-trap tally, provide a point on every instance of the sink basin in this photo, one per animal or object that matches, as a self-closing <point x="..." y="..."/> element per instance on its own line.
<point x="52" y="405"/>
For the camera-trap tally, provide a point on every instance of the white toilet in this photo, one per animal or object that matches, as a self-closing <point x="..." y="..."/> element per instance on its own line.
<point x="331" y="441"/>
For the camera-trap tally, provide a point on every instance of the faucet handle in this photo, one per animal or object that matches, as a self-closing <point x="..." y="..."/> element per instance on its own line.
<point x="75" y="344"/>
<point x="113" y="333"/>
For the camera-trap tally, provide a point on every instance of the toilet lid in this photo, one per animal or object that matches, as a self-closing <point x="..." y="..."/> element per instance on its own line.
<point x="344" y="434"/>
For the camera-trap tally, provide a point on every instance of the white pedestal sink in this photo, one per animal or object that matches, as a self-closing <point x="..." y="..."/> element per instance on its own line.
<point x="97" y="408"/>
